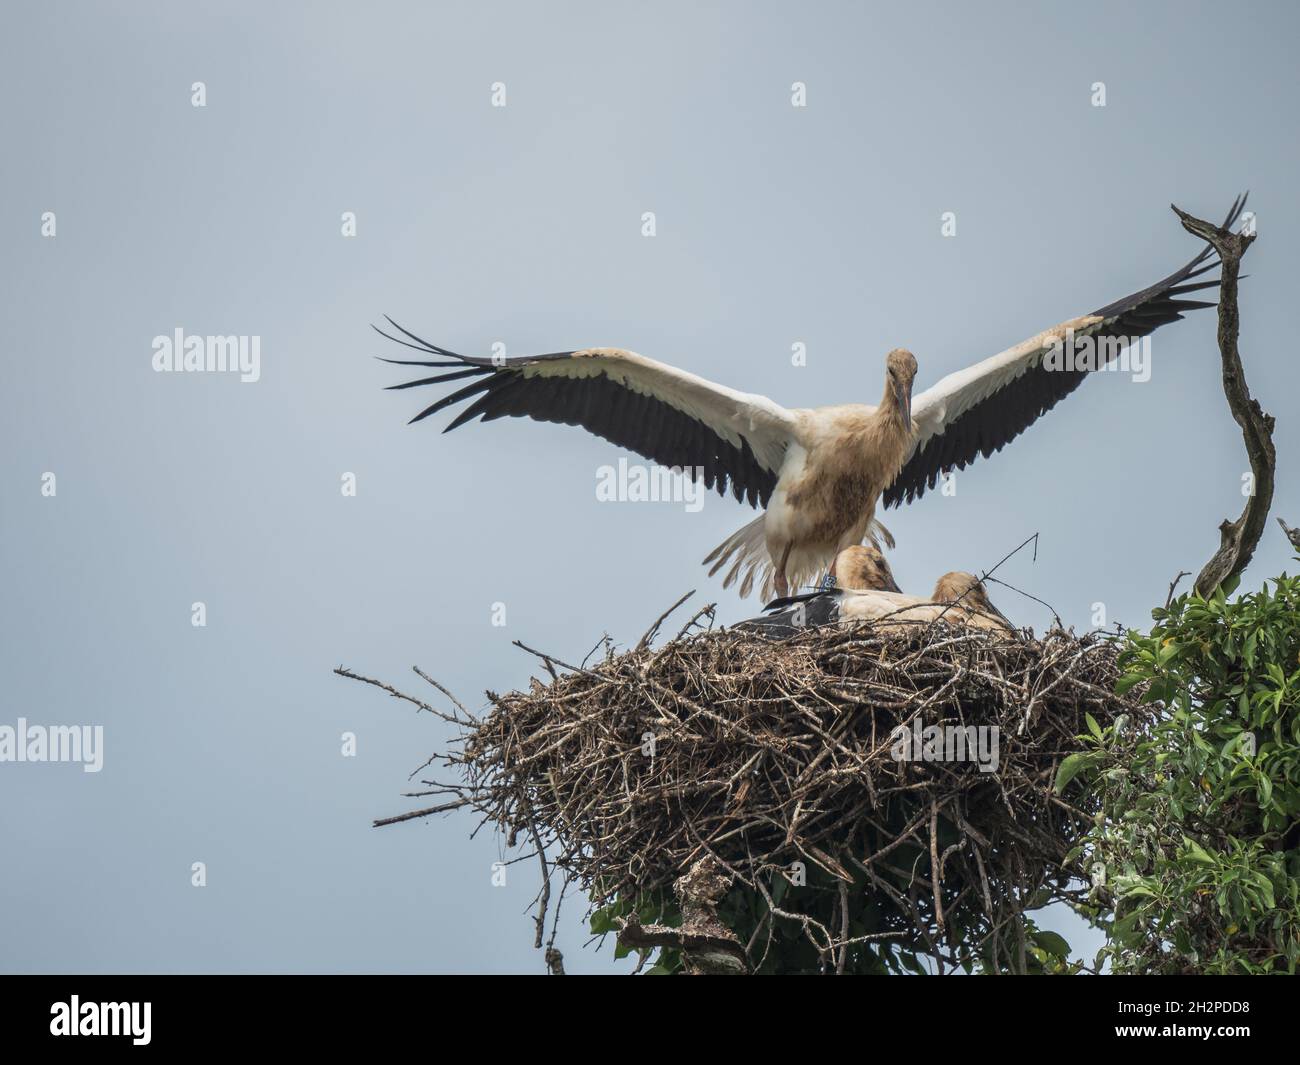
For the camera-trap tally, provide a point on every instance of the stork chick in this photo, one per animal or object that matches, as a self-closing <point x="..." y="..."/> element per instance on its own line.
<point x="863" y="568"/>
<point x="867" y="589"/>
<point x="967" y="593"/>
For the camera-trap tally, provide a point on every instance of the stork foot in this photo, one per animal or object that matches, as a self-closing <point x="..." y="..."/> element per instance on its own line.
<point x="782" y="585"/>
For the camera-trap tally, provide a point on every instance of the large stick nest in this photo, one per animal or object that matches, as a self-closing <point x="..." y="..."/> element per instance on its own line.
<point x="758" y="755"/>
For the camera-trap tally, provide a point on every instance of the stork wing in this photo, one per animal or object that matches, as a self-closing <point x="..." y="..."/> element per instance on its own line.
<point x="979" y="410"/>
<point x="671" y="417"/>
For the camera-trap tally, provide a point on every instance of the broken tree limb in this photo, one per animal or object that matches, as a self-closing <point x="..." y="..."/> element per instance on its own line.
<point x="1291" y="534"/>
<point x="1237" y="539"/>
<point x="1174" y="584"/>
<point x="708" y="946"/>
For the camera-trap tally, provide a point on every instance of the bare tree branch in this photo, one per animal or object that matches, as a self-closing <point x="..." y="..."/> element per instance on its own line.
<point x="708" y="946"/>
<point x="654" y="629"/>
<point x="1174" y="584"/>
<point x="1239" y="538"/>
<point x="343" y="671"/>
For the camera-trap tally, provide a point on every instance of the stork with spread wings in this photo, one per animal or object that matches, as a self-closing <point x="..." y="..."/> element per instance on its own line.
<point x="818" y="473"/>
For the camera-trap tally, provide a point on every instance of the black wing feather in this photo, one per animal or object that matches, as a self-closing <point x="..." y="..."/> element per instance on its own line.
<point x="994" y="423"/>
<point x="794" y="614"/>
<point x="628" y="419"/>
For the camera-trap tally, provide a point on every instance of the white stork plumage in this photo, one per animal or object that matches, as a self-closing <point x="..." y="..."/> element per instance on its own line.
<point x="863" y="568"/>
<point x="969" y="596"/>
<point x="869" y="594"/>
<point x="820" y="472"/>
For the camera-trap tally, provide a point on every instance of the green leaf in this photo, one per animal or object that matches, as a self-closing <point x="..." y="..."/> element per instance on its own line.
<point x="1070" y="769"/>
<point x="779" y="888"/>
<point x="1127" y="681"/>
<point x="1052" y="943"/>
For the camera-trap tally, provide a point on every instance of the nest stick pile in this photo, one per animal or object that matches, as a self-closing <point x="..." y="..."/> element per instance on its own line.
<point x="765" y="757"/>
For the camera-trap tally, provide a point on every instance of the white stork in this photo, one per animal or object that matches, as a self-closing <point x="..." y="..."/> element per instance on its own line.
<point x="819" y="473"/>
<point x="867" y="593"/>
<point x="968" y="594"/>
<point x="866" y="589"/>
<point x="864" y="569"/>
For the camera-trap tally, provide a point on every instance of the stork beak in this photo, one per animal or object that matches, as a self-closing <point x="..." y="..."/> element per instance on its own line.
<point x="891" y="585"/>
<point x="987" y="607"/>
<point x="905" y="405"/>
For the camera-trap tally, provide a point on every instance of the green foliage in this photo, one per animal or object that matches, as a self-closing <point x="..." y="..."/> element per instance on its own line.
<point x="650" y="909"/>
<point x="1200" y="808"/>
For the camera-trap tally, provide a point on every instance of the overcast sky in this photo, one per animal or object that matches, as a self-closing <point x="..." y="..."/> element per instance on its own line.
<point x="522" y="225"/>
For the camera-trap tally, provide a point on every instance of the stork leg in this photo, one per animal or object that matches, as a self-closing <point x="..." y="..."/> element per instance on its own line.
<point x="830" y="580"/>
<point x="782" y="585"/>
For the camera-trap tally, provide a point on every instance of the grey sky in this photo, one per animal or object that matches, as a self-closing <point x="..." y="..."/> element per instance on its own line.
<point x="522" y="224"/>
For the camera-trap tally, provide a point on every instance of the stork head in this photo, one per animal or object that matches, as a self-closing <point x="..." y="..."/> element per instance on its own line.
<point x="864" y="569"/>
<point x="970" y="591"/>
<point x="900" y="371"/>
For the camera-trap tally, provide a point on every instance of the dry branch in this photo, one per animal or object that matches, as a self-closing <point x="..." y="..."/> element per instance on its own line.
<point x="1293" y="535"/>
<point x="708" y="946"/>
<point x="1237" y="539"/>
